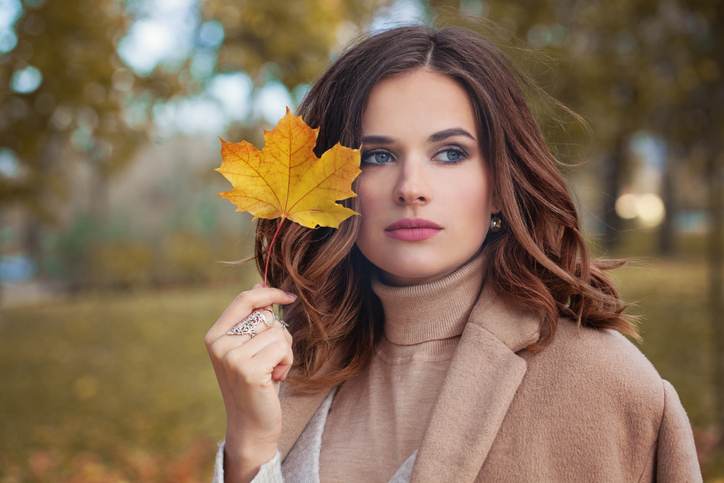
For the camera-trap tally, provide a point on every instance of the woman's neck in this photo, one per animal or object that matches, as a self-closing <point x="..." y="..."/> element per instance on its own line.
<point x="436" y="308"/>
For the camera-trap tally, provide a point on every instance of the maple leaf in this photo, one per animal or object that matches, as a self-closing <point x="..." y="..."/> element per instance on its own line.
<point x="286" y="179"/>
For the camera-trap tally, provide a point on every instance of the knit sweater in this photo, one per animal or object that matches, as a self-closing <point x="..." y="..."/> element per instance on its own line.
<point x="370" y="426"/>
<point x="378" y="418"/>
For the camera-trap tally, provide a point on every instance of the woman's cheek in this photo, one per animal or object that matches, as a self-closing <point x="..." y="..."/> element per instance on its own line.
<point x="472" y="209"/>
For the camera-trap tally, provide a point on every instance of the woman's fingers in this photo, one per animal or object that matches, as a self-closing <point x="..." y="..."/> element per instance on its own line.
<point x="222" y="345"/>
<point x="272" y="356"/>
<point x="243" y="305"/>
<point x="259" y="367"/>
<point x="255" y="361"/>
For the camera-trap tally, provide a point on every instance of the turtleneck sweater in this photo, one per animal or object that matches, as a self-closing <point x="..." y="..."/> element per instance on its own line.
<point x="378" y="418"/>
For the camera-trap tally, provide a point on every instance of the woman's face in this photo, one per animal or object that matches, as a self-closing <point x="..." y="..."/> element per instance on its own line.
<point x="421" y="159"/>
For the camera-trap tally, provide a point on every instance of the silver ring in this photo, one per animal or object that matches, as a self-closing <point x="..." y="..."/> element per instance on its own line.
<point x="248" y="326"/>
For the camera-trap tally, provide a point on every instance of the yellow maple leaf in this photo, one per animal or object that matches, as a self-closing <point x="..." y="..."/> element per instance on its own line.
<point x="286" y="179"/>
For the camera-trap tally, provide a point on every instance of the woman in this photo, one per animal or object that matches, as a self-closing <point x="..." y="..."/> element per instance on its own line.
<point x="455" y="331"/>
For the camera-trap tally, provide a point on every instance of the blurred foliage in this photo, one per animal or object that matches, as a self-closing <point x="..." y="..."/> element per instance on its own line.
<point x="186" y="258"/>
<point x="625" y="65"/>
<point x="78" y="107"/>
<point x="120" y="263"/>
<point x="91" y="256"/>
<point x="288" y="41"/>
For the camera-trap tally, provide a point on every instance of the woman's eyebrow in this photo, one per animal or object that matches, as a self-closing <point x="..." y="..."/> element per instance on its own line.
<point x="434" y="137"/>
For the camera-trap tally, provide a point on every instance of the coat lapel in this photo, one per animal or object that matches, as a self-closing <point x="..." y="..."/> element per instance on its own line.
<point x="477" y="391"/>
<point x="479" y="386"/>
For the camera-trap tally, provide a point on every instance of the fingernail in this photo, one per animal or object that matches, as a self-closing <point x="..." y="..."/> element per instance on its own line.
<point x="293" y="296"/>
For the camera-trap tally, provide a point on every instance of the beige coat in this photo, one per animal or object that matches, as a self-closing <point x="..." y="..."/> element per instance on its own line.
<point x="590" y="407"/>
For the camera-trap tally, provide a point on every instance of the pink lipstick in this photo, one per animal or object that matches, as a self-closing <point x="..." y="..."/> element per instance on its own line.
<point x="412" y="229"/>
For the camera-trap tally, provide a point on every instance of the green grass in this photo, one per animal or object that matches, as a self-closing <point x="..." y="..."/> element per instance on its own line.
<point x="120" y="388"/>
<point x="111" y="388"/>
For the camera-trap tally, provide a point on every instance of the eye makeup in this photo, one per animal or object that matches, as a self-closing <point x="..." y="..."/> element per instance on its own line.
<point x="372" y="153"/>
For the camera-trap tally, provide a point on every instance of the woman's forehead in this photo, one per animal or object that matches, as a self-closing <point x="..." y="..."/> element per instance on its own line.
<point x="418" y="103"/>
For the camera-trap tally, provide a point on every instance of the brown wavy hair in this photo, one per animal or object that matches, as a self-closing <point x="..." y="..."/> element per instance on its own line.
<point x="539" y="260"/>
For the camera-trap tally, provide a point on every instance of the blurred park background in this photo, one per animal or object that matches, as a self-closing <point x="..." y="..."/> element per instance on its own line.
<point x="112" y="235"/>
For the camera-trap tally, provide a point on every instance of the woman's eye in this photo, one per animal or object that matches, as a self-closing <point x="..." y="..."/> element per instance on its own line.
<point x="375" y="157"/>
<point x="453" y="156"/>
<point x="458" y="155"/>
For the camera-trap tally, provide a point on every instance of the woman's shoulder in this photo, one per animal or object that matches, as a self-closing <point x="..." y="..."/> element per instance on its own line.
<point x="600" y="379"/>
<point x="602" y="364"/>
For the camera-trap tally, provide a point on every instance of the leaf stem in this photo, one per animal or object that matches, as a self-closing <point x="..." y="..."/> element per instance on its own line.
<point x="269" y="250"/>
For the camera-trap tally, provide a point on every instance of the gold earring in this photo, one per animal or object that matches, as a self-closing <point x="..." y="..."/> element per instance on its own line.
<point x="496" y="223"/>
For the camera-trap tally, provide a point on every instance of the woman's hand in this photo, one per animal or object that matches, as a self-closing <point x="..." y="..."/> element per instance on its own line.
<point x="248" y="370"/>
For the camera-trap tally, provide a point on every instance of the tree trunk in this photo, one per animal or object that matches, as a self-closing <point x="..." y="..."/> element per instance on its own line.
<point x="612" y="173"/>
<point x="668" y="194"/>
<point x="41" y="212"/>
<point x="99" y="194"/>
<point x="716" y="241"/>
<point x="2" y="223"/>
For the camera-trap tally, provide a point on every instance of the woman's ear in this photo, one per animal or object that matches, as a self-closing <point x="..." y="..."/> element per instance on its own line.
<point x="494" y="204"/>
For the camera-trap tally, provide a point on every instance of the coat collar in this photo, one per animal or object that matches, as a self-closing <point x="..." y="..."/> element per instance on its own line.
<point x="461" y="431"/>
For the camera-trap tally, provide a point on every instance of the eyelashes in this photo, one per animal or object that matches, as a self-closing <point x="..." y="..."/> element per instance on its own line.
<point x="366" y="154"/>
<point x="461" y="153"/>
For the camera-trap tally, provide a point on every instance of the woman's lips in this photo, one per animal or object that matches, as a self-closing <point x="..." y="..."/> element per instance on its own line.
<point x="412" y="234"/>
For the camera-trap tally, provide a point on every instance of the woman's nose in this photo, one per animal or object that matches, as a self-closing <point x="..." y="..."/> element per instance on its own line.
<point x="411" y="186"/>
